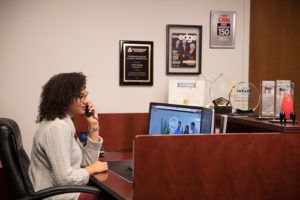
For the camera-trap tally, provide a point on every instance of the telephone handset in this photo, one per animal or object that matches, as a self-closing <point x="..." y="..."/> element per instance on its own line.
<point x="87" y="112"/>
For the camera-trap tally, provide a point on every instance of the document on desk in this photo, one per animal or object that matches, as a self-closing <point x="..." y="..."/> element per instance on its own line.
<point x="187" y="92"/>
<point x="122" y="168"/>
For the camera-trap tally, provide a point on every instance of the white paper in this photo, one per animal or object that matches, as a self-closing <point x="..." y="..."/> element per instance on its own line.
<point x="187" y="92"/>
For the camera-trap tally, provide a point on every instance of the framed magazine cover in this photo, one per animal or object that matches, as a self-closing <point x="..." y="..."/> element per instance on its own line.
<point x="184" y="49"/>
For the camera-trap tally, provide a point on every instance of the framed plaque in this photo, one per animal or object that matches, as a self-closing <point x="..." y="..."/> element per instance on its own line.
<point x="136" y="62"/>
<point x="222" y="29"/>
<point x="184" y="49"/>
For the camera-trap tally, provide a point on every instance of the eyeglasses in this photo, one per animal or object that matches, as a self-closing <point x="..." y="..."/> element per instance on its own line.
<point x="83" y="96"/>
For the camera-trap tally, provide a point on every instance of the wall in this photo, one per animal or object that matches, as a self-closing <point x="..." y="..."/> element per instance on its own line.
<point x="42" y="38"/>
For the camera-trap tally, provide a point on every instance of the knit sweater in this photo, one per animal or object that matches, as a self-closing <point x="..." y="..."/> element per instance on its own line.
<point x="57" y="157"/>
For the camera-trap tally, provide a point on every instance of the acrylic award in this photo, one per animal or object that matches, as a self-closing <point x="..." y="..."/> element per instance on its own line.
<point x="244" y="98"/>
<point x="267" y="101"/>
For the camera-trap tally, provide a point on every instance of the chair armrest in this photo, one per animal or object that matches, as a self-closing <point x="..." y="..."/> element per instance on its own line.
<point x="52" y="191"/>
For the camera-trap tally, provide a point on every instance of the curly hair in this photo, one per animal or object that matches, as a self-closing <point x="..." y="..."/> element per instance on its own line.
<point x="58" y="93"/>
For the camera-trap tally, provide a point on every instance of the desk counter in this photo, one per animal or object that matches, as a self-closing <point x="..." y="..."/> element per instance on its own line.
<point x="114" y="185"/>
<point x="242" y="124"/>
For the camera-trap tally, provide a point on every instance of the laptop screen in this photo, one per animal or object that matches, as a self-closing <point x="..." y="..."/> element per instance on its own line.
<point x="179" y="119"/>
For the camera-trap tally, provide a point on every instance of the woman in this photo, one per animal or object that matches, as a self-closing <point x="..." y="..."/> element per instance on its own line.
<point x="57" y="158"/>
<point x="186" y="129"/>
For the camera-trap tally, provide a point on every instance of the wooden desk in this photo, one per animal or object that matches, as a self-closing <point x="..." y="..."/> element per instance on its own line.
<point x="237" y="124"/>
<point x="223" y="166"/>
<point x="114" y="186"/>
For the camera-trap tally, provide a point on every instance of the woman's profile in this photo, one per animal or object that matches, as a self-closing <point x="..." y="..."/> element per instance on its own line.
<point x="57" y="158"/>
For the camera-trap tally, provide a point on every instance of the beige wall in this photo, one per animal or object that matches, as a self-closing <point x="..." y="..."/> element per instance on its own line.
<point x="43" y="37"/>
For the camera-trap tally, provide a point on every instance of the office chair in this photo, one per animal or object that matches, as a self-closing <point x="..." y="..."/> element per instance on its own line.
<point x="15" y="163"/>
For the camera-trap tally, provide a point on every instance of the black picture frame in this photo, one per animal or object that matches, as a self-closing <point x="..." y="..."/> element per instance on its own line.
<point x="136" y="62"/>
<point x="184" y="49"/>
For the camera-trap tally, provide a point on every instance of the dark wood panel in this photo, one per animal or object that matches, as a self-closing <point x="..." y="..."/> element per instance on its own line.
<point x="244" y="124"/>
<point x="230" y="166"/>
<point x="117" y="129"/>
<point x="275" y="43"/>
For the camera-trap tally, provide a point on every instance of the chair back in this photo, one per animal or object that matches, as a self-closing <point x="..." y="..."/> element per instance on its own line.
<point x="14" y="159"/>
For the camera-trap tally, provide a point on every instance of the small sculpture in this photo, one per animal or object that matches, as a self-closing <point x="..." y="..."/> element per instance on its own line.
<point x="287" y="109"/>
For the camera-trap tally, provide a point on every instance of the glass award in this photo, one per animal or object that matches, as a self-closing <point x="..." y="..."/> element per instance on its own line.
<point x="244" y="98"/>
<point x="202" y="78"/>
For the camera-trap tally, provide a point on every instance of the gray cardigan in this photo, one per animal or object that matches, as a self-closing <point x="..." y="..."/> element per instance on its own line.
<point x="57" y="157"/>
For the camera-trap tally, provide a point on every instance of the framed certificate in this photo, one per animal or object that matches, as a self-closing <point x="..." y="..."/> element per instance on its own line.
<point x="187" y="92"/>
<point x="184" y="49"/>
<point x="136" y="62"/>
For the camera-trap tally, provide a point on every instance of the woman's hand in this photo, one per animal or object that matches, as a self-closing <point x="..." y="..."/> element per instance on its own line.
<point x="93" y="121"/>
<point x="97" y="167"/>
<point x="93" y="118"/>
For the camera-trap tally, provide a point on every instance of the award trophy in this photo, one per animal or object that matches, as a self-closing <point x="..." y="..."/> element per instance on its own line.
<point x="284" y="102"/>
<point x="218" y="93"/>
<point x="267" y="100"/>
<point x="244" y="98"/>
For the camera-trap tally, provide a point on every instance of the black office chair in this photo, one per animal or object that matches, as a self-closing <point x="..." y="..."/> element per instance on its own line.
<point x="15" y="163"/>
